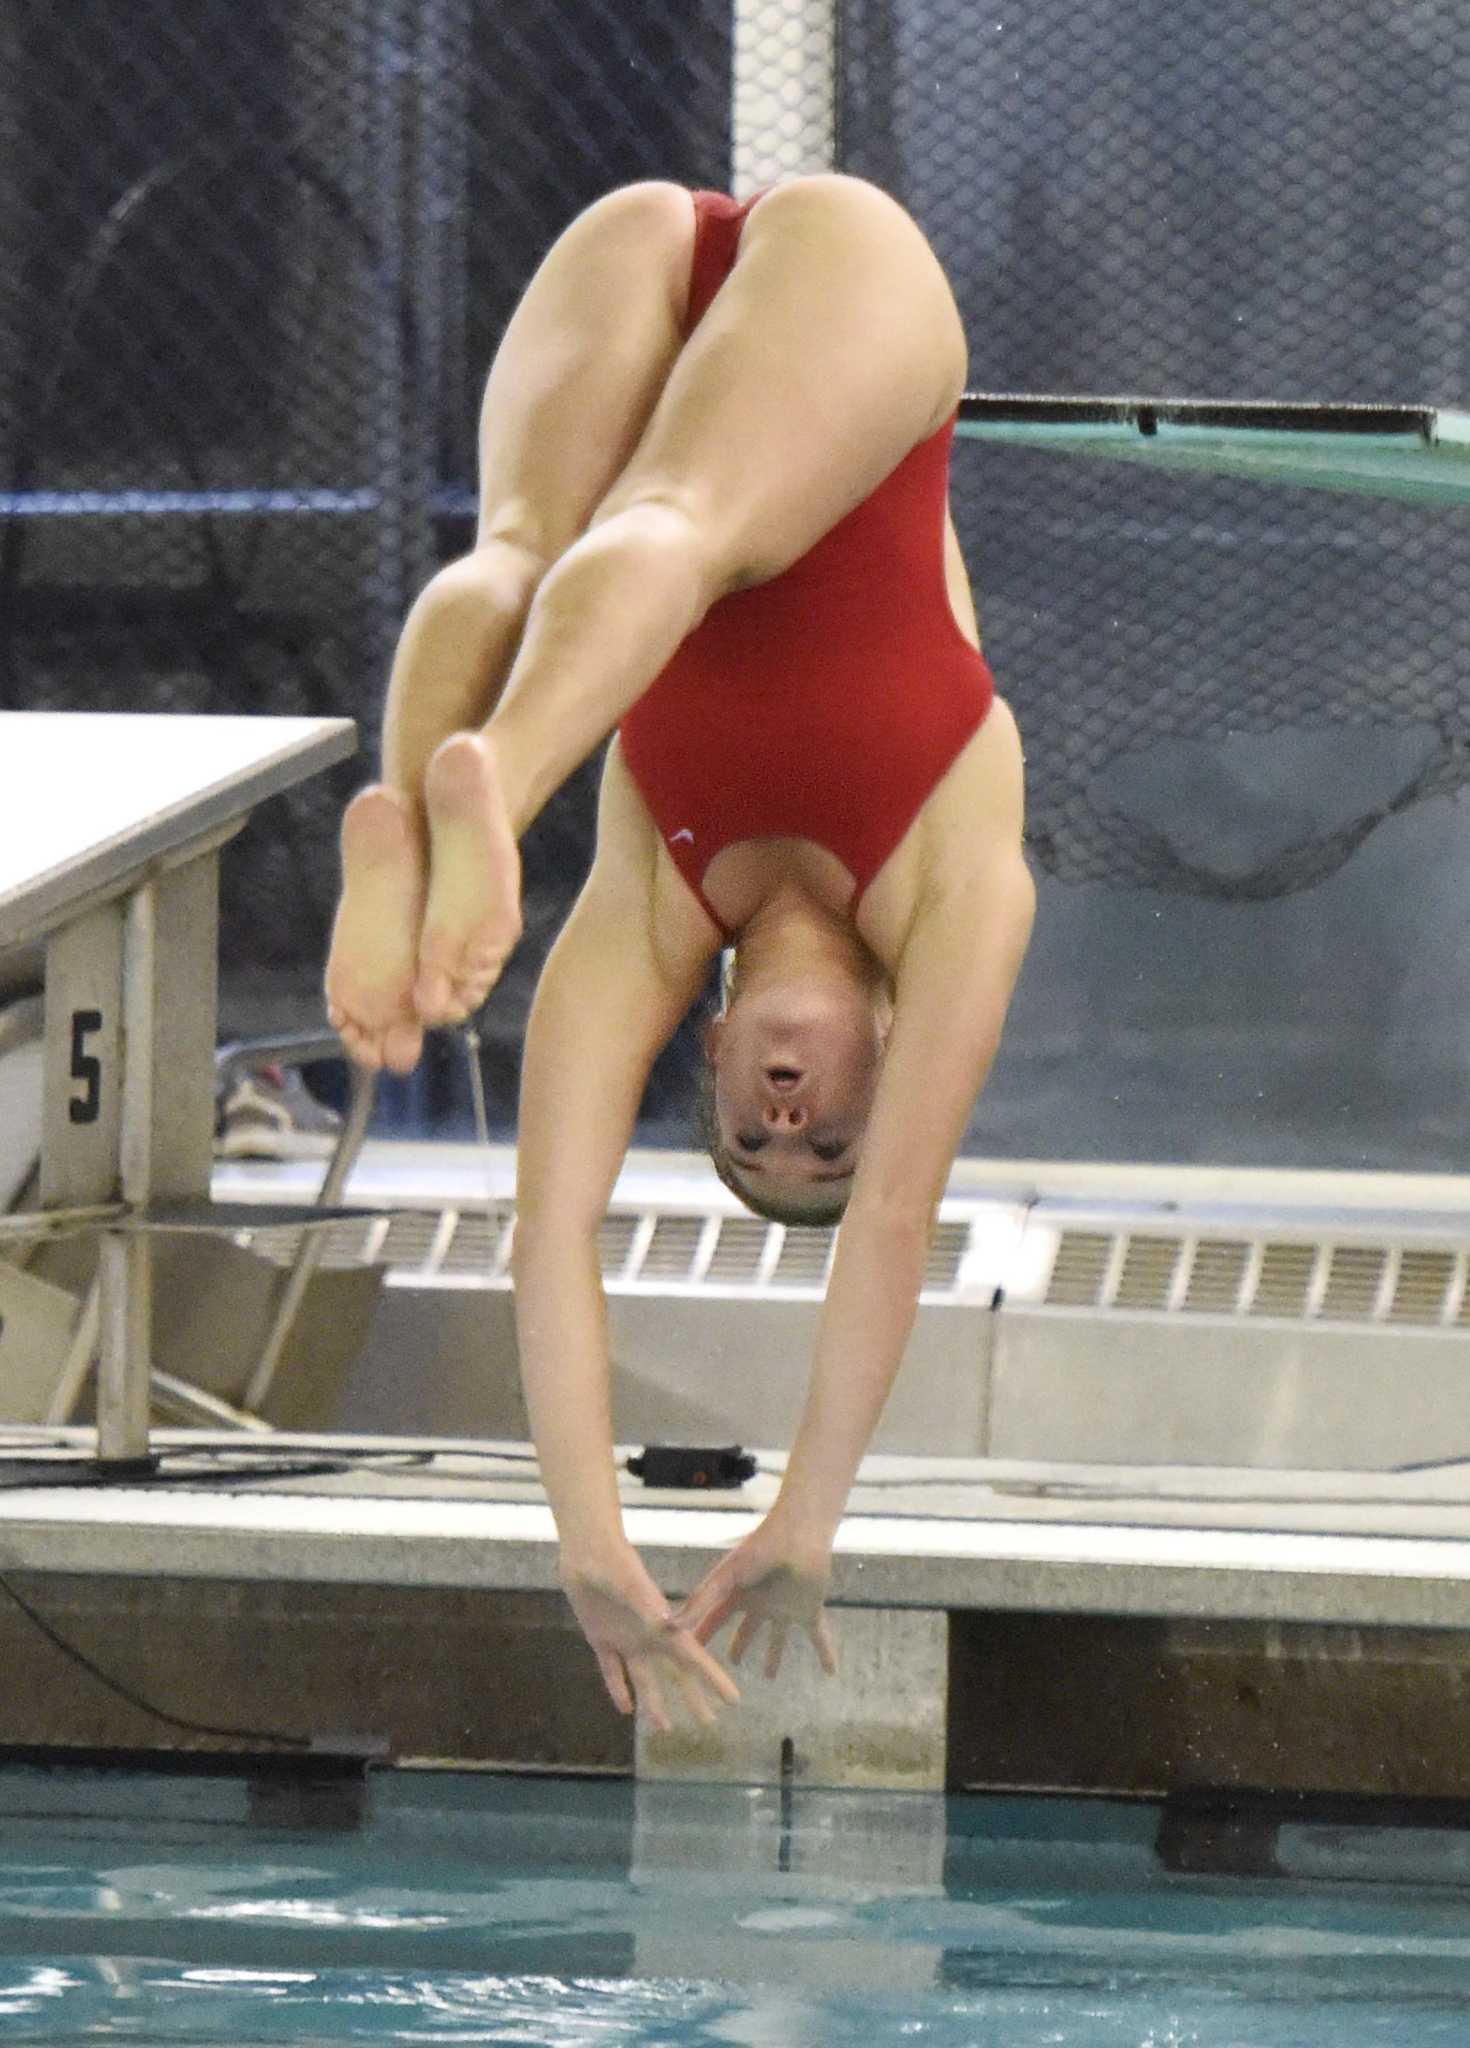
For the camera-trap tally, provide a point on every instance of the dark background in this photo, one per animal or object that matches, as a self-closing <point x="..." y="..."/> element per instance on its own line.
<point x="257" y="261"/>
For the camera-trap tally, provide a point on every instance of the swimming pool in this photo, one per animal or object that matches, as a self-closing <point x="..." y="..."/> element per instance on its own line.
<point x="454" y="1908"/>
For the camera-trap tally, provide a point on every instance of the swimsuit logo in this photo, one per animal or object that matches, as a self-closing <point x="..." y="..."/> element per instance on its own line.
<point x="683" y="833"/>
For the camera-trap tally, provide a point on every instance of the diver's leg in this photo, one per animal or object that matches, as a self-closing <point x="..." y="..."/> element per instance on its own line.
<point x="831" y="349"/>
<point x="574" y="380"/>
<point x="454" y="649"/>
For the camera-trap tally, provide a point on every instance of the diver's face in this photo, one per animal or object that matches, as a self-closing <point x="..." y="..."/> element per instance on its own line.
<point x="795" y="1072"/>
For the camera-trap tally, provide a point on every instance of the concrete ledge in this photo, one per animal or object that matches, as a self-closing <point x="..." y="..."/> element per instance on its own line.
<point x="476" y="1677"/>
<point x="879" y="1723"/>
<point x="1154" y="1708"/>
<point x="995" y="1549"/>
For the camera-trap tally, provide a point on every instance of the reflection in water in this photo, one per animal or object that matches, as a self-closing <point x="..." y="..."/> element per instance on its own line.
<point x="560" y="1915"/>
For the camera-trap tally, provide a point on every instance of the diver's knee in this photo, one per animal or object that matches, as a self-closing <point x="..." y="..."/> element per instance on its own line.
<point x="496" y="578"/>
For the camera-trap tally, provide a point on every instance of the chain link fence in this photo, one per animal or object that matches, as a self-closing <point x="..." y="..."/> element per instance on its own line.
<point x="260" y="258"/>
<point x="1214" y="200"/>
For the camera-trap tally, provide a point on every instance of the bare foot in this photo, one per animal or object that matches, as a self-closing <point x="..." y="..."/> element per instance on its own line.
<point x="370" y="970"/>
<point x="473" y="916"/>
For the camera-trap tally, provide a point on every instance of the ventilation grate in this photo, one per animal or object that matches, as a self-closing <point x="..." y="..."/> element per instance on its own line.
<point x="1142" y="1271"/>
<point x="947" y="1248"/>
<point x="615" y="1242"/>
<point x="1217" y="1276"/>
<point x="672" y="1248"/>
<point x="805" y="1256"/>
<point x="684" y="1248"/>
<point x="1080" y="1269"/>
<point x="1288" y="1280"/>
<point x="343" y="1245"/>
<point x="1284" y="1285"/>
<point x="1147" y="1278"/>
<point x="477" y="1243"/>
<point x="1354" y="1278"/>
<point x="1422" y="1288"/>
<point x="412" y="1234"/>
<point x="737" y="1256"/>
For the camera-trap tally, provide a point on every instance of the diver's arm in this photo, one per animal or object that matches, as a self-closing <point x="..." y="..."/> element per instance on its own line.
<point x="608" y="999"/>
<point x="610" y="994"/>
<point x="955" y="979"/>
<point x="595" y="1028"/>
<point x="956" y="976"/>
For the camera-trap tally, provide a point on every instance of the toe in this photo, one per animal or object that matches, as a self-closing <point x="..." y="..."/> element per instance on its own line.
<point x="431" y="995"/>
<point x="362" y="1046"/>
<point x="401" y="1047"/>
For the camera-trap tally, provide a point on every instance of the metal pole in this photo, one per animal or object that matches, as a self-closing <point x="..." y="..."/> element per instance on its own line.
<point x="390" y="61"/>
<point x="783" y="118"/>
<point x="308" y="1254"/>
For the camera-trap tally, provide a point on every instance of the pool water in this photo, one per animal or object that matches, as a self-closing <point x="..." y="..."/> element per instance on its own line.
<point x="452" y="1908"/>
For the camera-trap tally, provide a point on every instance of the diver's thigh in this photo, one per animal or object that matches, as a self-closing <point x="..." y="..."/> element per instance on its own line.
<point x="582" y="363"/>
<point x="831" y="349"/>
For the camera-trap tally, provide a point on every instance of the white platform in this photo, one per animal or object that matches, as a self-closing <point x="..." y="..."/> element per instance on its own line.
<point x="87" y="798"/>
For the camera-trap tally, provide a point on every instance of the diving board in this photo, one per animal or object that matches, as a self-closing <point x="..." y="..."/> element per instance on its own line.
<point x="110" y="830"/>
<point x="1416" y="452"/>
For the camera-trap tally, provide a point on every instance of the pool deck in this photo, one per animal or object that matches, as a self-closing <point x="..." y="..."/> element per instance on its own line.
<point x="1367" y="1549"/>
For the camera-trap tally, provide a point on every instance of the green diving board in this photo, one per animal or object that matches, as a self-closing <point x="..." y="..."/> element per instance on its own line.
<point x="1399" y="451"/>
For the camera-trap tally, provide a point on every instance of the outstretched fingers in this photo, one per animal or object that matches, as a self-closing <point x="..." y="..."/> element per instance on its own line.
<point x="752" y="1622"/>
<point x="691" y="1656"/>
<point x="710" y="1605"/>
<point x="651" y="1705"/>
<point x="745" y="1635"/>
<point x="696" y="1699"/>
<point x="615" y="1678"/>
<point x="703" y="1683"/>
<point x="819" y="1632"/>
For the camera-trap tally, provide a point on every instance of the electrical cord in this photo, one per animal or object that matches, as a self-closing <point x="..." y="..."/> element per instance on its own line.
<point x="253" y="1467"/>
<point x="85" y="1472"/>
<point x="243" y="1466"/>
<point x="255" y="1461"/>
<point x="113" y="1685"/>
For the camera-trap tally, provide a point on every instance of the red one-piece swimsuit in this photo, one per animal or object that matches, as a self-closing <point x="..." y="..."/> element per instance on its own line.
<point x="827" y="703"/>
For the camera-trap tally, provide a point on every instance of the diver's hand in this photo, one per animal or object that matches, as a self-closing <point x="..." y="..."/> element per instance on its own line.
<point x="767" y="1580"/>
<point x="641" y="1644"/>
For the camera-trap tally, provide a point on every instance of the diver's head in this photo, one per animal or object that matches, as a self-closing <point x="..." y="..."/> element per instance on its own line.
<point x="792" y="1067"/>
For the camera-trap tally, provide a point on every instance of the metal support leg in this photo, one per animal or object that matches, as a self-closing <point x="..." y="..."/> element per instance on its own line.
<point x="170" y="944"/>
<point x="125" y="1274"/>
